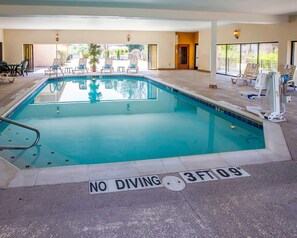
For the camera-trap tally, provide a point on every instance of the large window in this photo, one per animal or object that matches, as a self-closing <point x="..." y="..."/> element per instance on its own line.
<point x="233" y="58"/>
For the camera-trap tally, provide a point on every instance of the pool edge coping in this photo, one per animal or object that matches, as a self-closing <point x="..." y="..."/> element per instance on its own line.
<point x="275" y="150"/>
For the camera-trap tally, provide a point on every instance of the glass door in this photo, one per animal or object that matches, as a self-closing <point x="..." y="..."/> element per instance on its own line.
<point x="233" y="59"/>
<point x="268" y="56"/>
<point x="183" y="56"/>
<point x="249" y="54"/>
<point x="221" y="59"/>
<point x="152" y="56"/>
<point x="28" y="55"/>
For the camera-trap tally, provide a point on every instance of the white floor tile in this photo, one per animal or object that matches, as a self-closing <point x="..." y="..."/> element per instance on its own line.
<point x="65" y="174"/>
<point x="25" y="178"/>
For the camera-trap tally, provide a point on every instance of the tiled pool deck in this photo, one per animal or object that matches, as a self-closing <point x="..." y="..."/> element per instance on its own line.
<point x="263" y="205"/>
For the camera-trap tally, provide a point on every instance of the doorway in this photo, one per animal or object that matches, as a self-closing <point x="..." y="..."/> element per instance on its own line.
<point x="183" y="56"/>
<point x="28" y="55"/>
<point x="152" y="56"/>
<point x="1" y="52"/>
<point x="196" y="56"/>
<point x="294" y="53"/>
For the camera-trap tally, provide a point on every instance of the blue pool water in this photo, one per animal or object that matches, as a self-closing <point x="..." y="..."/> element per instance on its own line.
<point x="120" y="118"/>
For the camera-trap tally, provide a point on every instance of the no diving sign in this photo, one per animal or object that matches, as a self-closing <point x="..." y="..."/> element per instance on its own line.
<point x="125" y="184"/>
<point x="213" y="174"/>
<point x="153" y="181"/>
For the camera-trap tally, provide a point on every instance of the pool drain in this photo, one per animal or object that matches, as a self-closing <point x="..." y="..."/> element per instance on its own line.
<point x="173" y="183"/>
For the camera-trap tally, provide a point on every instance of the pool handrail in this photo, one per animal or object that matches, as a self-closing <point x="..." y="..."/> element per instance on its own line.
<point x="12" y="147"/>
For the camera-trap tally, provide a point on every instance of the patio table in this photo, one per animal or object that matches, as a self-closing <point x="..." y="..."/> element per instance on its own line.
<point x="121" y="69"/>
<point x="13" y="69"/>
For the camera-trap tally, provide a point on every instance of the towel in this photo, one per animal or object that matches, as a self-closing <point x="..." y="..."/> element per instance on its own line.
<point x="254" y="96"/>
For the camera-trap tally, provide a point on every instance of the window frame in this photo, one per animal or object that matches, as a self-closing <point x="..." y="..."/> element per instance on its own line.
<point x="240" y="53"/>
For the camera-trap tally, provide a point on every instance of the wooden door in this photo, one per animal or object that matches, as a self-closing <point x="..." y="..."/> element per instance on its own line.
<point x="183" y="56"/>
<point x="29" y="56"/>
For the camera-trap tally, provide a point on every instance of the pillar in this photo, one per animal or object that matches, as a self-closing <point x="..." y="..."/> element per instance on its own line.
<point x="213" y="55"/>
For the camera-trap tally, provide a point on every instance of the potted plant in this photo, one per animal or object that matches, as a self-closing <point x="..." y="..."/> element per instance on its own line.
<point x="118" y="53"/>
<point x="94" y="52"/>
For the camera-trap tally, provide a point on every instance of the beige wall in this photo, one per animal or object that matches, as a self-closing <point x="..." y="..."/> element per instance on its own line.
<point x="14" y="40"/>
<point x="1" y="35"/>
<point x="44" y="54"/>
<point x="249" y="33"/>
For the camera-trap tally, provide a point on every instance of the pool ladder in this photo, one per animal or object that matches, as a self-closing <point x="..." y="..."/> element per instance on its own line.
<point x="12" y="147"/>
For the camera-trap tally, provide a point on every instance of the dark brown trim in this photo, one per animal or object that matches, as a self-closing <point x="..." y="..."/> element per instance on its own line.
<point x="166" y="69"/>
<point x="204" y="71"/>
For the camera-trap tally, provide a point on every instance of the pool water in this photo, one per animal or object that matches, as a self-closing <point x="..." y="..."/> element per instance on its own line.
<point x="115" y="119"/>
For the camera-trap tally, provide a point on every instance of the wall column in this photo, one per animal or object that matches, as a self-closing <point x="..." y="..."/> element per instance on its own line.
<point x="213" y="55"/>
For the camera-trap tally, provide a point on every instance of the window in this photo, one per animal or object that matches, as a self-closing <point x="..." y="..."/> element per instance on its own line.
<point x="233" y="58"/>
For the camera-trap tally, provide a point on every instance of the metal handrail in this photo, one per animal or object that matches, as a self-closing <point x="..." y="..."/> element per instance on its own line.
<point x="9" y="147"/>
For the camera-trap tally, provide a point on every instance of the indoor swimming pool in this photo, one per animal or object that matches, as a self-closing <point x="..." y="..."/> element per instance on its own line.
<point x="117" y="118"/>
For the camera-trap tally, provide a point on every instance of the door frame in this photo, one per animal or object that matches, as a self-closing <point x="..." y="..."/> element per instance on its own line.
<point x="1" y="51"/>
<point x="195" y="53"/>
<point x="293" y="45"/>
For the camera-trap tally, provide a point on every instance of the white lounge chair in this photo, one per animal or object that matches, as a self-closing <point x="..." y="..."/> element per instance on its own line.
<point x="82" y="66"/>
<point x="260" y="85"/>
<point x="108" y="66"/>
<point x="290" y="70"/>
<point x="293" y="82"/>
<point x="133" y="65"/>
<point x="54" y="69"/>
<point x="250" y="73"/>
<point x="5" y="76"/>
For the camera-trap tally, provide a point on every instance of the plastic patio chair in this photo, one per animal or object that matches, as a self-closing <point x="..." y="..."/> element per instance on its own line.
<point x="22" y="68"/>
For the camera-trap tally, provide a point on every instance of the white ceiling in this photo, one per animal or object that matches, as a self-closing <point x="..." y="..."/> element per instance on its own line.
<point x="100" y="23"/>
<point x="153" y="15"/>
